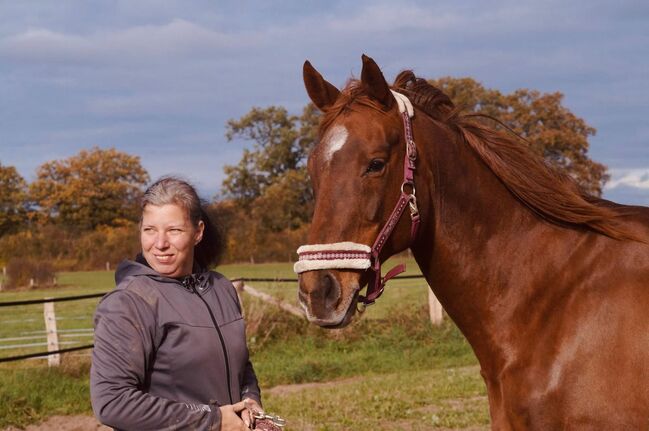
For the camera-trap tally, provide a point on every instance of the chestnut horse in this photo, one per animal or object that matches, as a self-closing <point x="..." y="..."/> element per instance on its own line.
<point x="549" y="285"/>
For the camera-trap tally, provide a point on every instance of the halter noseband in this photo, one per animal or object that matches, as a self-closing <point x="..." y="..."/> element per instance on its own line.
<point x="350" y="255"/>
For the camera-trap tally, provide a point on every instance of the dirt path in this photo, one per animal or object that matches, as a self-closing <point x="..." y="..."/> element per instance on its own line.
<point x="297" y="387"/>
<point x="66" y="423"/>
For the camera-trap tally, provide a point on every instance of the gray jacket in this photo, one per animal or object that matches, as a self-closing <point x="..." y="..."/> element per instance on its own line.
<point x="158" y="361"/>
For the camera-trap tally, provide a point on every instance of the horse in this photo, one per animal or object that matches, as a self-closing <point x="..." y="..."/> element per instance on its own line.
<point x="549" y="285"/>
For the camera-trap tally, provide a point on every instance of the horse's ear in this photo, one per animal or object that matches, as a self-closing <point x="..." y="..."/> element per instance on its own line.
<point x="322" y="93"/>
<point x="374" y="83"/>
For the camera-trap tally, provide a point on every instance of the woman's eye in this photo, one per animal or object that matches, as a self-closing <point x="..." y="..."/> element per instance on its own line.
<point x="375" y="165"/>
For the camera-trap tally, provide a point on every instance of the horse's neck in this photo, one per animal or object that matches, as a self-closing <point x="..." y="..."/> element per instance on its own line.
<point x="475" y="251"/>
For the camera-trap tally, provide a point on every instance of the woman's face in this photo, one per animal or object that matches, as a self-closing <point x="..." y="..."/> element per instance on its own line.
<point x="168" y="238"/>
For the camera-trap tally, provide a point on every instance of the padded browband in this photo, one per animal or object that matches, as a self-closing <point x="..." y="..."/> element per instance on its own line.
<point x="338" y="255"/>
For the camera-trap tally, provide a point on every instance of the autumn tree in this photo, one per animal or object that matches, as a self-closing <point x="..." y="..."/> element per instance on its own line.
<point x="268" y="198"/>
<point x="97" y="187"/>
<point x="281" y="143"/>
<point x="13" y="205"/>
<point x="551" y="129"/>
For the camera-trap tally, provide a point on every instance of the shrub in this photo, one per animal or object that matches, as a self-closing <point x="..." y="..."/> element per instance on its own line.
<point x="67" y="250"/>
<point x="21" y="270"/>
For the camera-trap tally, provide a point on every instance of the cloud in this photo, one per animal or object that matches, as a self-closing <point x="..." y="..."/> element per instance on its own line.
<point x="145" y="75"/>
<point x="637" y="178"/>
<point x="628" y="186"/>
<point x="138" y="44"/>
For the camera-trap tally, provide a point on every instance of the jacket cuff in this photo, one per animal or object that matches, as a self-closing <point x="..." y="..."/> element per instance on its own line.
<point x="215" y="417"/>
<point x="254" y="396"/>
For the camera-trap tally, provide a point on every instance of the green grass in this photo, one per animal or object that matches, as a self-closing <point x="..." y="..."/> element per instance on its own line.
<point x="297" y="352"/>
<point x="408" y="400"/>
<point x="31" y="393"/>
<point x="399" y="372"/>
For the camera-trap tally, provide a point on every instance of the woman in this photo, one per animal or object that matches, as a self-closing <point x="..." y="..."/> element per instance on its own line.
<point x="170" y="348"/>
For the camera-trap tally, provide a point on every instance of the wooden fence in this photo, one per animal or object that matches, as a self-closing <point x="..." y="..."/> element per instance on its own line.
<point x="55" y="338"/>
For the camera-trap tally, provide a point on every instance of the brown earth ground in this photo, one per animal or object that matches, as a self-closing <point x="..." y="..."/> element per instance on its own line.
<point x="66" y="423"/>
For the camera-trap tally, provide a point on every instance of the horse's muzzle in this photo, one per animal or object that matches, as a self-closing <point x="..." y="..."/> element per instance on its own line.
<point x="328" y="297"/>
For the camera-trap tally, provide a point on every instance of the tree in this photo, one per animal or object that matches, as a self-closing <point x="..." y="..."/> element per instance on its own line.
<point x="552" y="130"/>
<point x="268" y="199"/>
<point x="281" y="145"/>
<point x="285" y="204"/>
<point x="94" y="188"/>
<point x="13" y="196"/>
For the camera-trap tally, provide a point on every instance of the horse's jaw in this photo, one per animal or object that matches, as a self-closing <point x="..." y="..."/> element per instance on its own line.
<point x="327" y="300"/>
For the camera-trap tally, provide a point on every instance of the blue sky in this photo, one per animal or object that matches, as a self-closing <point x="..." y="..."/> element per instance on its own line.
<point x="159" y="79"/>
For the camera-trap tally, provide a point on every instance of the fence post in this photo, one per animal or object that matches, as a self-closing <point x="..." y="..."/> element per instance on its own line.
<point x="107" y="266"/>
<point x="434" y="309"/>
<point x="52" y="336"/>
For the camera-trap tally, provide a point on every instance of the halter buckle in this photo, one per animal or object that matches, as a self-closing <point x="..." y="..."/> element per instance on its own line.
<point x="412" y="203"/>
<point x="361" y="306"/>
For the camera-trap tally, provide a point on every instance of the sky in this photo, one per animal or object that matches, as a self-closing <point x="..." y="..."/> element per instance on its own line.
<point x="160" y="79"/>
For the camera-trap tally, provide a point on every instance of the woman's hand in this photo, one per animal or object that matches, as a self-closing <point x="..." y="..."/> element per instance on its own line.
<point x="252" y="408"/>
<point x="230" y="420"/>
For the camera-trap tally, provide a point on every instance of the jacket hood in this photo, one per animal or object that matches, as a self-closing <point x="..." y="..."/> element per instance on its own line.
<point x="140" y="268"/>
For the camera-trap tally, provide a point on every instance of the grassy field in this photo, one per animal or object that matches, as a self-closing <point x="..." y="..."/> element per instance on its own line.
<point x="389" y="370"/>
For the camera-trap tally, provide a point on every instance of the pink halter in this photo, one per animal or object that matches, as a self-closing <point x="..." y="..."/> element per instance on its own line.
<point x="351" y="255"/>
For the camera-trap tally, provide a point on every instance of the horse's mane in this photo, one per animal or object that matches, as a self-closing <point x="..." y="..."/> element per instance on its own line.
<point x="550" y="193"/>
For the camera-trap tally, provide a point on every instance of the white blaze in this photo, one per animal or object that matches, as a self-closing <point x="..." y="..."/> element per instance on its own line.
<point x="334" y="141"/>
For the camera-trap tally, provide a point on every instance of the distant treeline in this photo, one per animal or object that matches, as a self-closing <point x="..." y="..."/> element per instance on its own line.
<point x="82" y="212"/>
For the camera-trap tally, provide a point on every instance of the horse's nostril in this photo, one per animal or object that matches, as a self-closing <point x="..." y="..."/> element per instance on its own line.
<point x="331" y="289"/>
<point x="319" y="291"/>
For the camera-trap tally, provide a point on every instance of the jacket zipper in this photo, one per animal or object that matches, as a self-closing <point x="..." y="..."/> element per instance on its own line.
<point x="218" y="331"/>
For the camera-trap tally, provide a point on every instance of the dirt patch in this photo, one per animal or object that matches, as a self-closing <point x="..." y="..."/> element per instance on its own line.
<point x="291" y="389"/>
<point x="65" y="423"/>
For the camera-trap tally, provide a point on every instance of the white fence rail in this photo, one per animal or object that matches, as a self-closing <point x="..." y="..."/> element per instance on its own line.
<point x="55" y="338"/>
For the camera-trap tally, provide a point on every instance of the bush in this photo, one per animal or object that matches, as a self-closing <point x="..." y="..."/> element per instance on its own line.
<point x="68" y="250"/>
<point x="21" y="270"/>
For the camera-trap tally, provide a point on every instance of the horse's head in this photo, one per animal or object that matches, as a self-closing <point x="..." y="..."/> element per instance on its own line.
<point x="357" y="171"/>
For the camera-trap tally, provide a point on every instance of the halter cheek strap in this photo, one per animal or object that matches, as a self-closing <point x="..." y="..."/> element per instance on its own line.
<point x="351" y="255"/>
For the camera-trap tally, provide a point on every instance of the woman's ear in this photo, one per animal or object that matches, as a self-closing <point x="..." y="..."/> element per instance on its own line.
<point x="199" y="232"/>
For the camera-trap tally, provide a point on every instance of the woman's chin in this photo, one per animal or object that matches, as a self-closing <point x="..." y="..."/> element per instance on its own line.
<point x="168" y="270"/>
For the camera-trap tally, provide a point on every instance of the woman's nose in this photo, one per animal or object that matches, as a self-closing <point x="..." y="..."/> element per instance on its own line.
<point x="161" y="241"/>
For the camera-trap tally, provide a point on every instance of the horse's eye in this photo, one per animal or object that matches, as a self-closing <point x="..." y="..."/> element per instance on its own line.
<point x="375" y="165"/>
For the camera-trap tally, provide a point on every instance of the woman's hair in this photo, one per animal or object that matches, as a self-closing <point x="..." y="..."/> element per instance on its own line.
<point x="172" y="190"/>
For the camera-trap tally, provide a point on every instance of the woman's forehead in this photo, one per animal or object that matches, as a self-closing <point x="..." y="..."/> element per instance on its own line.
<point x="165" y="213"/>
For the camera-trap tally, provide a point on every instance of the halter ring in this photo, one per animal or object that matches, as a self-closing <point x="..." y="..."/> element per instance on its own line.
<point x="411" y="184"/>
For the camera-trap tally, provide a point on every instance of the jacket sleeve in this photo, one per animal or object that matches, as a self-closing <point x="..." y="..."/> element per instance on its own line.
<point x="125" y="335"/>
<point x="249" y="385"/>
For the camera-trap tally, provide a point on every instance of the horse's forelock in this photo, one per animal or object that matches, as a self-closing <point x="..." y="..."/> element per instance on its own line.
<point x="352" y="93"/>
